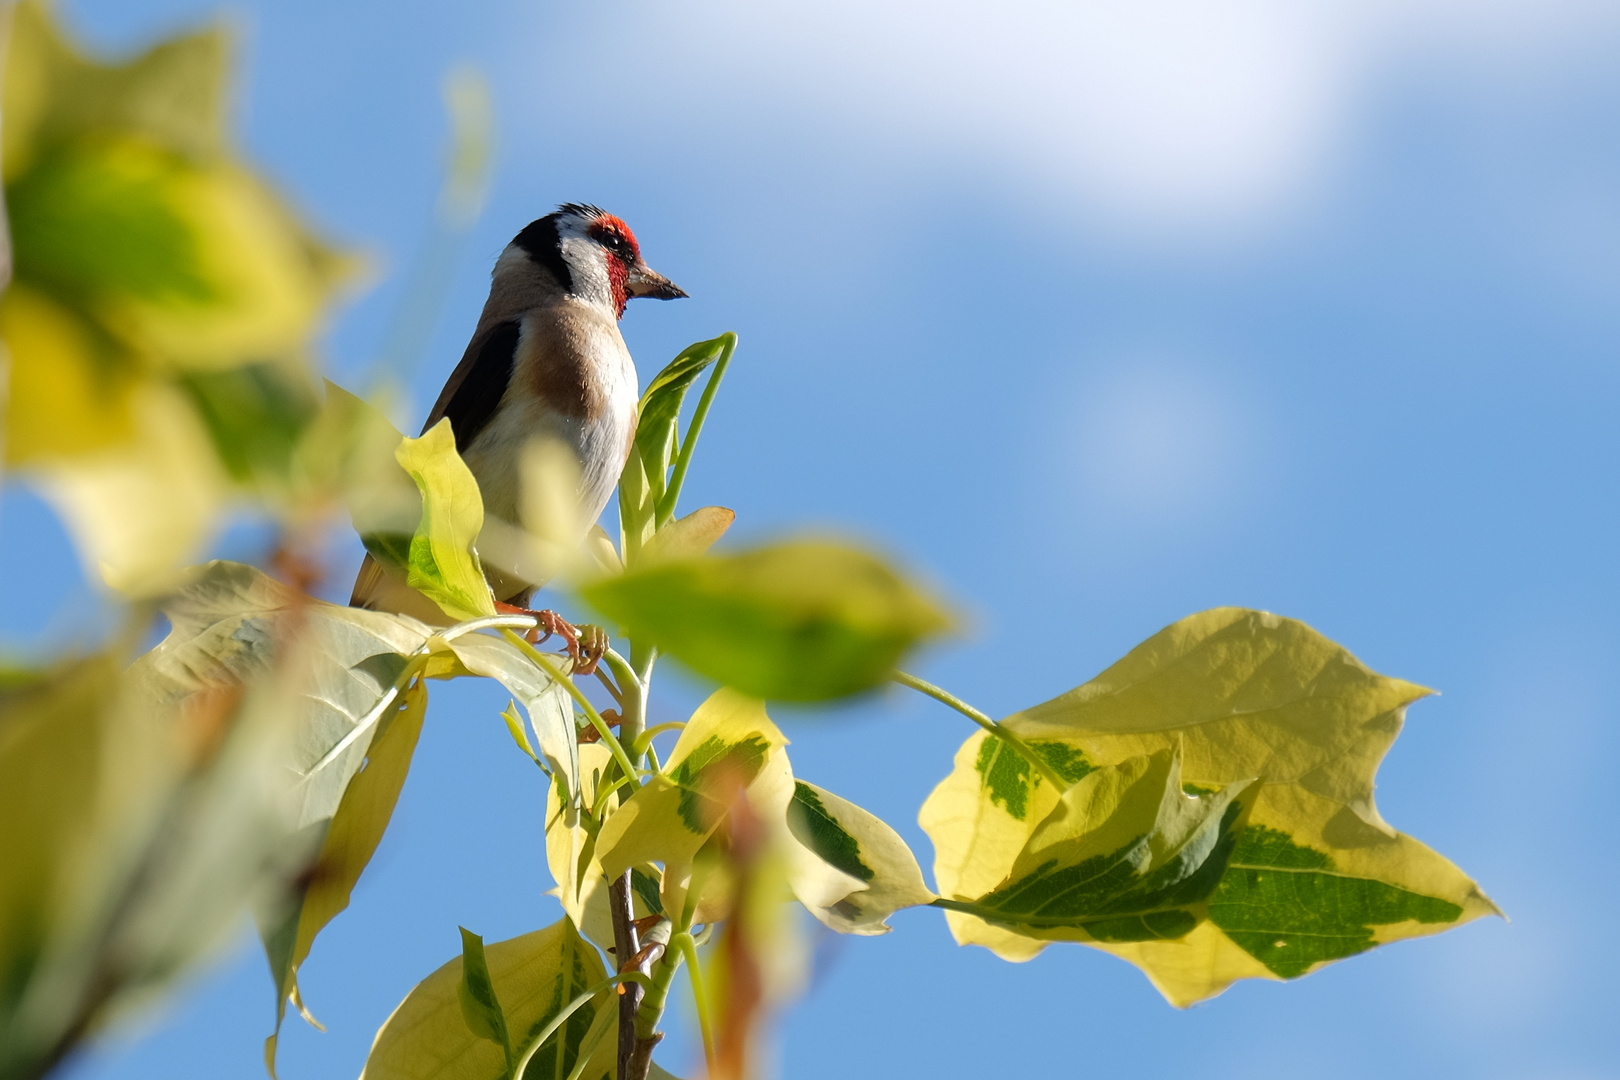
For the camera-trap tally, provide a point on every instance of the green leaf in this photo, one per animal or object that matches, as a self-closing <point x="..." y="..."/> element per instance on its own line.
<point x="534" y="976"/>
<point x="1125" y="855"/>
<point x="728" y="745"/>
<point x="1290" y="907"/>
<point x="849" y="868"/>
<point x="1239" y="694"/>
<point x="356" y="828"/>
<point x="515" y="728"/>
<point x="480" y="1006"/>
<point x="642" y="485"/>
<point x="443" y="565"/>
<point x="802" y="621"/>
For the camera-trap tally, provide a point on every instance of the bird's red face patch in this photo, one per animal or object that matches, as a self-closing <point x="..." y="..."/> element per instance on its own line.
<point x="622" y="251"/>
<point x="616" y="236"/>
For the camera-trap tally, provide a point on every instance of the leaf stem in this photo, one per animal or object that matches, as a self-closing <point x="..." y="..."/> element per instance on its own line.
<point x="666" y="505"/>
<point x="928" y="689"/>
<point x="568" y="1010"/>
<point x="574" y="692"/>
<point x="644" y="742"/>
<point x="700" y="998"/>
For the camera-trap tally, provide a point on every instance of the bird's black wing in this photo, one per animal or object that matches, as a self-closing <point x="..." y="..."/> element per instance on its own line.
<point x="479" y="382"/>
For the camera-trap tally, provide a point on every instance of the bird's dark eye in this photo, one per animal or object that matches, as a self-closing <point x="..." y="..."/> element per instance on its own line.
<point x="614" y="238"/>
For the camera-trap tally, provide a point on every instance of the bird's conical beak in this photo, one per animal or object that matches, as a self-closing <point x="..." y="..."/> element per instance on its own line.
<point x="645" y="281"/>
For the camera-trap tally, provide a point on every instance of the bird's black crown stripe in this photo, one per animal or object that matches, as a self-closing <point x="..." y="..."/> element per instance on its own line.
<point x="540" y="241"/>
<point x="581" y="209"/>
<point x="481" y="391"/>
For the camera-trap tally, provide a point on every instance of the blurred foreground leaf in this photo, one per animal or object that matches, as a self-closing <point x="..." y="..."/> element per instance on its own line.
<point x="534" y="976"/>
<point x="1316" y="875"/>
<point x="800" y="621"/>
<point x="141" y="510"/>
<point x="164" y="300"/>
<point x="139" y="829"/>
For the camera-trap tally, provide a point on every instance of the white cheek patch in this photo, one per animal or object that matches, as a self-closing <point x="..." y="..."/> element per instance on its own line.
<point x="587" y="265"/>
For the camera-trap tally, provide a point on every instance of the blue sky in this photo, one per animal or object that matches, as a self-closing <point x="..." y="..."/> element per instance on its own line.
<point x="1098" y="315"/>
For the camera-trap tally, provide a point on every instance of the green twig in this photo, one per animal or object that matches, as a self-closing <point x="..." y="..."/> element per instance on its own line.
<point x="1040" y="764"/>
<point x="666" y="505"/>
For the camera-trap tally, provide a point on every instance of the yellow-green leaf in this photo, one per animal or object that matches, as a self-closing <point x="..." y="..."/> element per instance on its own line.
<point x="520" y="734"/>
<point x="534" y="976"/>
<point x="571" y="854"/>
<point x="848" y="867"/>
<point x="443" y="564"/>
<point x="728" y="745"/>
<point x="689" y="536"/>
<point x="1317" y="874"/>
<point x="62" y="401"/>
<point x="227" y="625"/>
<point x="1126" y="855"/>
<point x="805" y="620"/>
<point x="347" y="706"/>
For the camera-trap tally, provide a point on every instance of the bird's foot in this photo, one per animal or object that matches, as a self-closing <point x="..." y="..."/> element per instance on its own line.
<point x="586" y="643"/>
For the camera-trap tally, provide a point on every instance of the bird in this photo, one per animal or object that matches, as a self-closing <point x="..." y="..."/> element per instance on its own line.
<point x="546" y="360"/>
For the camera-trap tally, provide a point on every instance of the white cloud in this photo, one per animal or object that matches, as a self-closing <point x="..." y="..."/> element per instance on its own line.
<point x="1153" y="113"/>
<point x="1157" y="442"/>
